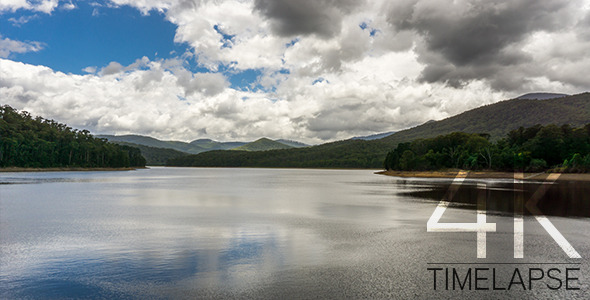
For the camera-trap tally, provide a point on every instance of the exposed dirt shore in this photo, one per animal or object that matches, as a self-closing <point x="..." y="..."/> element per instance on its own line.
<point x="495" y="175"/>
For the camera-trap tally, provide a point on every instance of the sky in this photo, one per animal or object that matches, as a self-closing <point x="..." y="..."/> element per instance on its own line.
<point x="307" y="70"/>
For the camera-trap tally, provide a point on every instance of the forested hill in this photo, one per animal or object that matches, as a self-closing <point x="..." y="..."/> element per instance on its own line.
<point x="39" y="143"/>
<point x="496" y="119"/>
<point x="500" y="118"/>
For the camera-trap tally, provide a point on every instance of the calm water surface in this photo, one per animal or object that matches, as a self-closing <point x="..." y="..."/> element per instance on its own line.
<point x="264" y="233"/>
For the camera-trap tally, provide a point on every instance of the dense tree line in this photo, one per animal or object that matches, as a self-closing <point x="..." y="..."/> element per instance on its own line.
<point x="537" y="148"/>
<point x="39" y="143"/>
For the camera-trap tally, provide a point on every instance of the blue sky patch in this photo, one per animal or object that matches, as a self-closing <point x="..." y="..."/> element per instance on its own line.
<point x="320" y="80"/>
<point x="91" y="36"/>
<point x="227" y="39"/>
<point x="292" y="43"/>
<point x="365" y="26"/>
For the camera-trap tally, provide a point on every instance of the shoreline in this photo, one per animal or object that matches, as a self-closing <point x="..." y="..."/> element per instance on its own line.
<point x="285" y="168"/>
<point x="19" y="169"/>
<point x="486" y="175"/>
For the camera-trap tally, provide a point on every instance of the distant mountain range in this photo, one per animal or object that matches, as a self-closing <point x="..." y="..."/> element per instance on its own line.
<point x="494" y="119"/>
<point x="157" y="152"/>
<point x="155" y="143"/>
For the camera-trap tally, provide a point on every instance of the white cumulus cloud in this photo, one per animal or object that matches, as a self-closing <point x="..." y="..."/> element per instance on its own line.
<point x="8" y="46"/>
<point x="45" y="6"/>
<point x="367" y="67"/>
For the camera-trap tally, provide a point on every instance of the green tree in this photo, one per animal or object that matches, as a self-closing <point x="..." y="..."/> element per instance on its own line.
<point x="35" y="142"/>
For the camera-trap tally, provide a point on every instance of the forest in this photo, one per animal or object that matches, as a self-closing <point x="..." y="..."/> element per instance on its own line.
<point x="34" y="142"/>
<point x="533" y="149"/>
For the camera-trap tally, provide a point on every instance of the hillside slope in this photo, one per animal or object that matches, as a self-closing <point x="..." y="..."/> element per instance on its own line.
<point x="499" y="118"/>
<point x="373" y="136"/>
<point x="294" y="144"/>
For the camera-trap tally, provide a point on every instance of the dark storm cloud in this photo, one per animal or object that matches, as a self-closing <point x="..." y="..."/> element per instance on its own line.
<point x="464" y="40"/>
<point x="303" y="17"/>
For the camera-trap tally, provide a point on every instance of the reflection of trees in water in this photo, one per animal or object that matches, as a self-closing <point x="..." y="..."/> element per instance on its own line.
<point x="565" y="199"/>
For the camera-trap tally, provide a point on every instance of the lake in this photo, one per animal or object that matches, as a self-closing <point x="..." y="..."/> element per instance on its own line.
<point x="186" y="233"/>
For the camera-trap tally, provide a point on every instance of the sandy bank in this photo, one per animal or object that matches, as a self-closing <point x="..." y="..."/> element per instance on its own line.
<point x="494" y="175"/>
